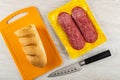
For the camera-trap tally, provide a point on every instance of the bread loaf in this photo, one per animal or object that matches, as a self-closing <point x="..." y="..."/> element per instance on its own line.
<point x="32" y="45"/>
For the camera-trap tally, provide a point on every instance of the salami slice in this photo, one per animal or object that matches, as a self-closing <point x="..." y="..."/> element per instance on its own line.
<point x="84" y="24"/>
<point x="76" y="39"/>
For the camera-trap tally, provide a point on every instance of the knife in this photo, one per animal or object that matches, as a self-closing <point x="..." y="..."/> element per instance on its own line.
<point x="77" y="66"/>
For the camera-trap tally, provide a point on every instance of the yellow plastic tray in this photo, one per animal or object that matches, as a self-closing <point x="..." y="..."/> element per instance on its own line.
<point x="73" y="53"/>
<point x="27" y="70"/>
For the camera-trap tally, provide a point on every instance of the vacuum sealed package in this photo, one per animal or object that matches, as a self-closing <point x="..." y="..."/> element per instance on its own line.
<point x="29" y="43"/>
<point x="76" y="28"/>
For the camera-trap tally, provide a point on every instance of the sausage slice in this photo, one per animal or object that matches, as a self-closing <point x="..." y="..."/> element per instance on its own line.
<point x="70" y="28"/>
<point x="84" y="24"/>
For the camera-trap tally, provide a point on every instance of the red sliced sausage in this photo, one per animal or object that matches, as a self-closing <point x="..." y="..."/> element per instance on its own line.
<point x="84" y="24"/>
<point x="70" y="28"/>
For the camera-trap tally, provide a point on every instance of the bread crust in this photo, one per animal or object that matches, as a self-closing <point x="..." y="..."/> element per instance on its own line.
<point x="32" y="45"/>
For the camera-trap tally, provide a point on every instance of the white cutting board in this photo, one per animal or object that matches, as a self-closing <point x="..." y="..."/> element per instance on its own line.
<point x="107" y="13"/>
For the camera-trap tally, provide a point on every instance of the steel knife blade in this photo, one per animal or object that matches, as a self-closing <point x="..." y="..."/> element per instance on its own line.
<point x="77" y="66"/>
<point x="66" y="70"/>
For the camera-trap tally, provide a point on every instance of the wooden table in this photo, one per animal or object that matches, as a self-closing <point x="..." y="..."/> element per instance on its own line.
<point x="106" y="12"/>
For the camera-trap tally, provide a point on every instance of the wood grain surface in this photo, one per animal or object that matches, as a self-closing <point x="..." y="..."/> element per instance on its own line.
<point x="106" y="13"/>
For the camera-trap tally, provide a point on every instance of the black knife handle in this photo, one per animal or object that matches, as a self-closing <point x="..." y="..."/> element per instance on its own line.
<point x="98" y="57"/>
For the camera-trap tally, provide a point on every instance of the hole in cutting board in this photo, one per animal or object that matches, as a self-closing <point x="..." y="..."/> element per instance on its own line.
<point x="16" y="17"/>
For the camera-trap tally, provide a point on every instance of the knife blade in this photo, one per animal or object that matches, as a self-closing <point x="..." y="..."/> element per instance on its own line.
<point x="77" y="66"/>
